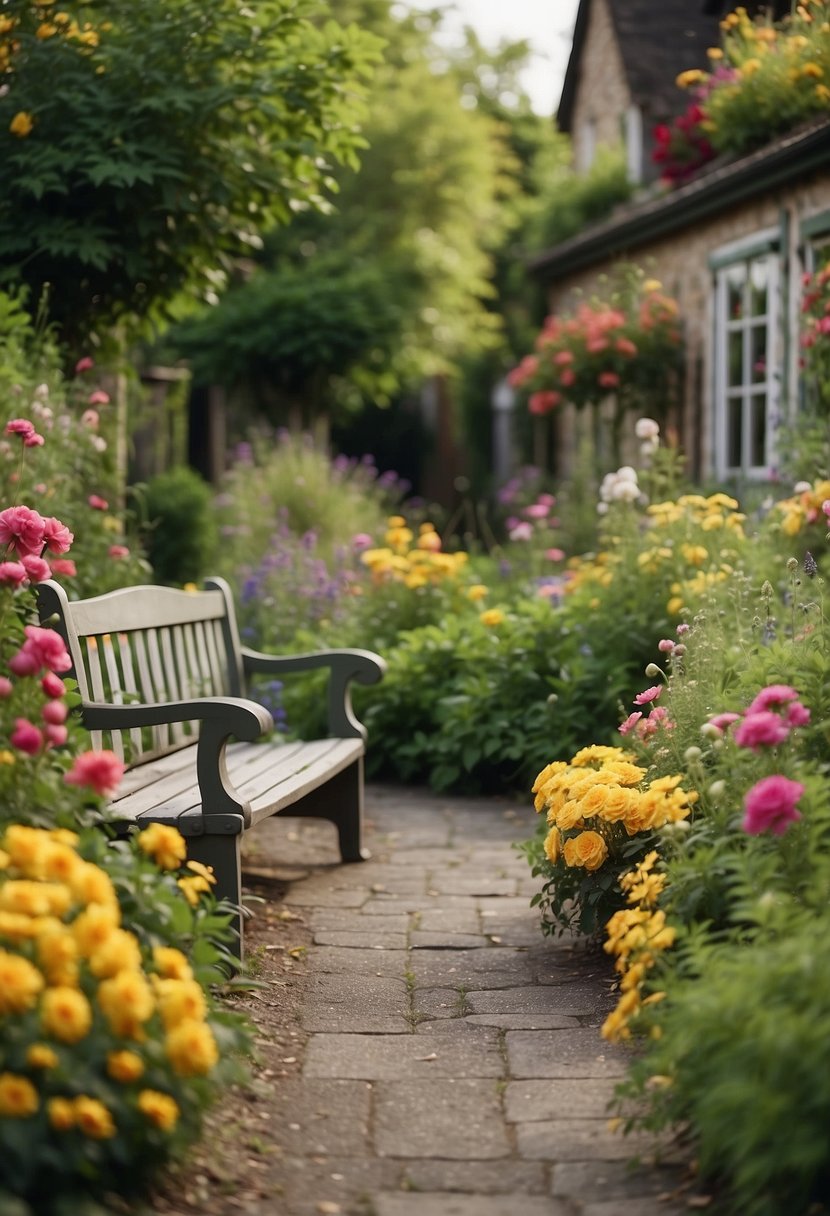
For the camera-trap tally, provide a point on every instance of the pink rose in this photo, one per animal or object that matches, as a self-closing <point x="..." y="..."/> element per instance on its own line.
<point x="34" y="440"/>
<point x="56" y="736"/>
<point x="54" y="712"/>
<point x="770" y="806"/>
<point x="47" y="648"/>
<point x="797" y="714"/>
<point x="118" y="551"/>
<point x="90" y="418"/>
<point x="537" y="510"/>
<point x="763" y="729"/>
<point x="608" y="380"/>
<point x="543" y="401"/>
<point x="12" y="573"/>
<point x="26" y="737"/>
<point x="555" y="555"/>
<point x="6" y="687"/>
<point x="36" y="568"/>
<point x="97" y="503"/>
<point x="57" y="536"/>
<point x="24" y="663"/>
<point x="99" y="397"/>
<point x="52" y="685"/>
<point x="650" y="694"/>
<point x="99" y="771"/>
<point x="84" y="364"/>
<point x="23" y="528"/>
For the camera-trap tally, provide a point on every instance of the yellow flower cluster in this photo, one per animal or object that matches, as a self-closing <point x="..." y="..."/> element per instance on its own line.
<point x="636" y="935"/>
<point x="45" y="25"/>
<point x="598" y="800"/>
<point x="418" y="564"/>
<point x="66" y="959"/>
<point x="803" y="509"/>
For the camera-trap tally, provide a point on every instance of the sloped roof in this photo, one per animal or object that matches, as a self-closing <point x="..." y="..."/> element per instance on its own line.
<point x="719" y="186"/>
<point x="657" y="40"/>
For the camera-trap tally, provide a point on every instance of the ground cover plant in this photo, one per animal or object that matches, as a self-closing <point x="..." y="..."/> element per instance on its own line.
<point x="112" y="1043"/>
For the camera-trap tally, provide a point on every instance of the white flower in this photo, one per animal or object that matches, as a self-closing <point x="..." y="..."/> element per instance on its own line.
<point x="646" y="428"/>
<point x="626" y="473"/>
<point x="42" y="390"/>
<point x="801" y="486"/>
<point x="99" y="443"/>
<point x="626" y="491"/>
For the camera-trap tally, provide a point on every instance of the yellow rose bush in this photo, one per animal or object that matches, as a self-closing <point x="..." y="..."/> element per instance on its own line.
<point x="601" y="813"/>
<point x="111" y="1045"/>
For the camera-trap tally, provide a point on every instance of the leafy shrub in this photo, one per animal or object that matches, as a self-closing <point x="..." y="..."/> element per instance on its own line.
<point x="182" y="535"/>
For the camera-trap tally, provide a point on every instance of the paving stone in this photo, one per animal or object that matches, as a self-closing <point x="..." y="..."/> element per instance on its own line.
<point x="392" y="1057"/>
<point x="366" y="939"/>
<point x="501" y="1177"/>
<point x="572" y="999"/>
<point x="461" y="882"/>
<point x="438" y="1003"/>
<point x="355" y="920"/>
<point x="438" y="1203"/>
<point x="322" y="1117"/>
<point x="439" y="1118"/>
<point x="306" y="1185"/>
<point x="604" y="1181"/>
<point x="441" y="940"/>
<point x="301" y="896"/>
<point x="562" y="1053"/>
<point x="578" y="1140"/>
<point x="351" y="960"/>
<point x="487" y="960"/>
<point x="448" y="920"/>
<point x="531" y="1101"/>
<point x="635" y="1206"/>
<point x="361" y="1003"/>
<point x="523" y="1021"/>
<point x="385" y="902"/>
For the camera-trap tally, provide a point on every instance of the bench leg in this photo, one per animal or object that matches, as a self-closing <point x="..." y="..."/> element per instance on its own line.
<point x="341" y="801"/>
<point x="222" y="854"/>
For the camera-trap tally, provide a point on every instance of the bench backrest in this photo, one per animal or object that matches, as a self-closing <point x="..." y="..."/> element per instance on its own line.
<point x="148" y="644"/>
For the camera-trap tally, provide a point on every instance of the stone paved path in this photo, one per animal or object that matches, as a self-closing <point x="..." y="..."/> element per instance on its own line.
<point x="453" y="1064"/>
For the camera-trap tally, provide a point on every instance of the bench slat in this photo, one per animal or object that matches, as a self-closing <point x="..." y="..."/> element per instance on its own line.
<point x="144" y="607"/>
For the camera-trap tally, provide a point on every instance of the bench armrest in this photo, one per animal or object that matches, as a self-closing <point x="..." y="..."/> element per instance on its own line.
<point x="221" y="718"/>
<point x="344" y="666"/>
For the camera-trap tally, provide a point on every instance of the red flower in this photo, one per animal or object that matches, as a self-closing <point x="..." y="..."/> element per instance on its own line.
<point x="98" y="504"/>
<point x="608" y="380"/>
<point x="53" y="685"/>
<point x="99" y="771"/>
<point x="84" y="365"/>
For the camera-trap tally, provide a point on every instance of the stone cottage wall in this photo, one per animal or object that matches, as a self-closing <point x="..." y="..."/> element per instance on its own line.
<point x="681" y="263"/>
<point x="602" y="93"/>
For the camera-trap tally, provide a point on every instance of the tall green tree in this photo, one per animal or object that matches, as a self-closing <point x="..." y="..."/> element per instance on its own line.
<point x="146" y="143"/>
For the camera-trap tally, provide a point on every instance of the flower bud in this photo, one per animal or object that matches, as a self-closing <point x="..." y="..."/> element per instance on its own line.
<point x="692" y="754"/>
<point x="716" y="790"/>
<point x="653" y="670"/>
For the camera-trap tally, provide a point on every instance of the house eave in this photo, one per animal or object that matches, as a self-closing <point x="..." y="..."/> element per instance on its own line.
<point x="711" y="193"/>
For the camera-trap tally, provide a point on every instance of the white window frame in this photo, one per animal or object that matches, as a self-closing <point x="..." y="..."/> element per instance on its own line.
<point x="761" y="249"/>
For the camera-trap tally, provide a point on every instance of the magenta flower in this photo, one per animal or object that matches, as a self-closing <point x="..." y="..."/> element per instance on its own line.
<point x="65" y="566"/>
<point x="118" y="551"/>
<point x="722" y="721"/>
<point x="772" y="695"/>
<point x="53" y="685"/>
<point x="54" y="712"/>
<point x="797" y="714"/>
<point x="56" y="735"/>
<point x="537" y="510"/>
<point x="555" y="555"/>
<point x="84" y="365"/>
<point x="6" y="687"/>
<point x="26" y="737"/>
<point x="770" y="806"/>
<point x="666" y="646"/>
<point x="97" y="503"/>
<point x="650" y="694"/>
<point x="20" y="426"/>
<point x="46" y="648"/>
<point x="763" y="729"/>
<point x="361" y="541"/>
<point x="34" y="440"/>
<point x="23" y="528"/>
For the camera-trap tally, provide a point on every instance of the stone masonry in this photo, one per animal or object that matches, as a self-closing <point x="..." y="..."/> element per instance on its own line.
<point x="452" y="1063"/>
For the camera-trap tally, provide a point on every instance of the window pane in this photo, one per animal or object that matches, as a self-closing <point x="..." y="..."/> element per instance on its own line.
<point x="758" y="432"/>
<point x="736" y="359"/>
<point x="758" y="281"/>
<point x="735" y="279"/>
<point x="758" y="353"/>
<point x="733" y="432"/>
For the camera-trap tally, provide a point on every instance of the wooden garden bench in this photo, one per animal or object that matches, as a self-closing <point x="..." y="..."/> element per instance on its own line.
<point x="163" y="681"/>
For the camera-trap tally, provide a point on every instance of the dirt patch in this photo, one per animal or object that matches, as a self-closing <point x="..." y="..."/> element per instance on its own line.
<point x="226" y="1173"/>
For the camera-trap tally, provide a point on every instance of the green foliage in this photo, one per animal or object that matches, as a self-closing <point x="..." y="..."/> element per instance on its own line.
<point x="569" y="201"/>
<point x="182" y="536"/>
<point x="158" y="141"/>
